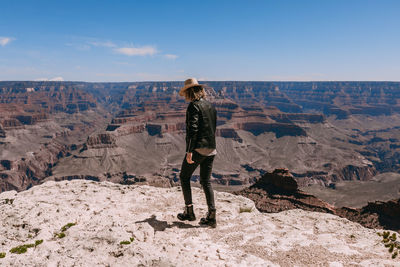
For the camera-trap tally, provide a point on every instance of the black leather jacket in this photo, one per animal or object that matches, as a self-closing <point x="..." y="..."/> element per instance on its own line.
<point x="201" y="122"/>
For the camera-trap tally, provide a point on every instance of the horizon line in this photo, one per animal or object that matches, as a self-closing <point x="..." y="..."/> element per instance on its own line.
<point x="201" y="81"/>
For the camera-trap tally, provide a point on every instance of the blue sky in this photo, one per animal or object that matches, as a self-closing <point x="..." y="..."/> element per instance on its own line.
<point x="211" y="40"/>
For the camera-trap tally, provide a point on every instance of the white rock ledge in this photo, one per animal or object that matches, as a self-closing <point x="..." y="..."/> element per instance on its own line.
<point x="106" y="214"/>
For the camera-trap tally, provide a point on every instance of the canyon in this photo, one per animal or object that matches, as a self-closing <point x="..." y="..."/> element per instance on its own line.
<point x="325" y="133"/>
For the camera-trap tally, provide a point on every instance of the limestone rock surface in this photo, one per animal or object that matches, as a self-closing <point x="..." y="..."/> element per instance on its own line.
<point x="105" y="214"/>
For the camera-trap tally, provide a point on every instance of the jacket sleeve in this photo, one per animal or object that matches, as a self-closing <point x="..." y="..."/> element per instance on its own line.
<point x="192" y="127"/>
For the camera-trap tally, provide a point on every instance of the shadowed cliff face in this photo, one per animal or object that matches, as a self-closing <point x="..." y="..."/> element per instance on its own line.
<point x="278" y="191"/>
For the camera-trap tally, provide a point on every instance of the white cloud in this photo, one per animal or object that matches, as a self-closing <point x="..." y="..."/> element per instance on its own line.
<point x="5" y="40"/>
<point x="137" y="51"/>
<point x="170" y="56"/>
<point x="55" y="79"/>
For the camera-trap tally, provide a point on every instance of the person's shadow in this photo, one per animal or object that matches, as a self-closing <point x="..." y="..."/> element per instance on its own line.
<point x="162" y="225"/>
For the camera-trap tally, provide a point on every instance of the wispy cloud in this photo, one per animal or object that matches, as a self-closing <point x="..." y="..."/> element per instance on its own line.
<point x="5" y="40"/>
<point x="137" y="51"/>
<point x="55" y="79"/>
<point x="171" y="56"/>
<point x="80" y="47"/>
<point x="103" y="44"/>
<point x="123" y="49"/>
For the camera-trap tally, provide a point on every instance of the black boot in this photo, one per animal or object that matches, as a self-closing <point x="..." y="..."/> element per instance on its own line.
<point x="210" y="220"/>
<point x="188" y="214"/>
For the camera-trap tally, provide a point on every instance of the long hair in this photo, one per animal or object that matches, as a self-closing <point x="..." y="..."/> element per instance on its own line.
<point x="195" y="93"/>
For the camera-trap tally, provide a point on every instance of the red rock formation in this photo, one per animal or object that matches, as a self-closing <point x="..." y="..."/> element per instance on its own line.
<point x="228" y="133"/>
<point x="2" y="132"/>
<point x="102" y="140"/>
<point x="280" y="129"/>
<point x="278" y="191"/>
<point x="351" y="172"/>
<point x="23" y="173"/>
<point x="381" y="215"/>
<point x="26" y="104"/>
<point x="130" y="129"/>
<point x="10" y="123"/>
<point x="160" y="128"/>
<point x="388" y="213"/>
<point x="298" y="117"/>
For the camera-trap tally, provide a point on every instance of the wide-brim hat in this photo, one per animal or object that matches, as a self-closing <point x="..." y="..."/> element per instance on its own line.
<point x="189" y="83"/>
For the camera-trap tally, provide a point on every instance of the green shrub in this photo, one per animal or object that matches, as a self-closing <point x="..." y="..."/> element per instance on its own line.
<point x="21" y="249"/>
<point x="2" y="255"/>
<point x="390" y="242"/>
<point x="9" y="200"/>
<point x="60" y="235"/>
<point x="67" y="226"/>
<point x="125" y="242"/>
<point x="63" y="229"/>
<point x="38" y="242"/>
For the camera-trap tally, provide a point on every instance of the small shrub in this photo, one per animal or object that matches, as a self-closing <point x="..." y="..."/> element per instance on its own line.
<point x="390" y="242"/>
<point x="2" y="255"/>
<point x="131" y="239"/>
<point x="21" y="249"/>
<point x="125" y="242"/>
<point x="8" y="201"/>
<point x="60" y="235"/>
<point x="38" y="242"/>
<point x="67" y="226"/>
<point x="63" y="229"/>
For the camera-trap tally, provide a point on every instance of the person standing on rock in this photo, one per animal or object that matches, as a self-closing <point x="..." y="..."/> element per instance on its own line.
<point x="201" y="121"/>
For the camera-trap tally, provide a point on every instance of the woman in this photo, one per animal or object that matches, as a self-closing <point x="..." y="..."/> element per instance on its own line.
<point x="201" y="119"/>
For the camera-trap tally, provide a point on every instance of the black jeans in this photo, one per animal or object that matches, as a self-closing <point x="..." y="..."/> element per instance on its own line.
<point x="206" y="163"/>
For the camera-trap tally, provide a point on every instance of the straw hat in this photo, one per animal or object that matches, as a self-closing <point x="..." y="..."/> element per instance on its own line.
<point x="191" y="82"/>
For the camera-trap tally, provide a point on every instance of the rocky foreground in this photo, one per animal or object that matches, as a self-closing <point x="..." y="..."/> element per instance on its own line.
<point x="87" y="223"/>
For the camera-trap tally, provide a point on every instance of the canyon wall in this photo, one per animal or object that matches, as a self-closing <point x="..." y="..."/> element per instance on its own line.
<point x="323" y="132"/>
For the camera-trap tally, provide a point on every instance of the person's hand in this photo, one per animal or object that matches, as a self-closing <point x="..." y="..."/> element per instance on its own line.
<point x="189" y="158"/>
